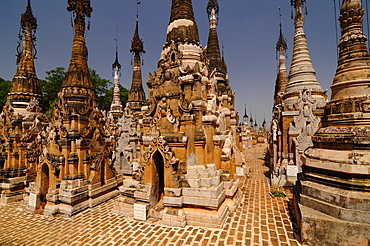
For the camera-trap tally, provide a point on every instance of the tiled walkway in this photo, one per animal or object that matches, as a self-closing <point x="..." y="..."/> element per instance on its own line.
<point x="260" y="220"/>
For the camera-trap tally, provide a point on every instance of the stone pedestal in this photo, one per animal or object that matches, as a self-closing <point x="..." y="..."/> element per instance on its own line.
<point x="12" y="184"/>
<point x="335" y="207"/>
<point x="12" y="189"/>
<point x="207" y="198"/>
<point x="77" y="195"/>
<point x="321" y="229"/>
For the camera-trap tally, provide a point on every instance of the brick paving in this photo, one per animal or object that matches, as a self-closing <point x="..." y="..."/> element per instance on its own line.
<point x="259" y="220"/>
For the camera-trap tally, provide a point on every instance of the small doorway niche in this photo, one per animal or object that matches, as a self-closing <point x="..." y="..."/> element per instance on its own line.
<point x="102" y="173"/>
<point x="159" y="174"/>
<point x="44" y="187"/>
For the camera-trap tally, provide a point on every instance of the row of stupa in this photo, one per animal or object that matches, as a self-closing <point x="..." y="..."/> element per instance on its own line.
<point x="320" y="147"/>
<point x="299" y="102"/>
<point x="176" y="156"/>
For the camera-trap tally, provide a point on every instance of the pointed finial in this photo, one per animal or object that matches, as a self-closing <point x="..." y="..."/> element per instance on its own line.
<point x="280" y="16"/>
<point x="245" y="116"/>
<point x="281" y="45"/>
<point x="213" y="5"/>
<point x="116" y="39"/>
<point x="116" y="64"/>
<point x="299" y="15"/>
<point x="213" y="11"/>
<point x="137" y="9"/>
<point x="255" y="121"/>
<point x="29" y="8"/>
<point x="137" y="45"/>
<point x="27" y="19"/>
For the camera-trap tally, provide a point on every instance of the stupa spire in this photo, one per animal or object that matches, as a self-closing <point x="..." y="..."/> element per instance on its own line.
<point x="116" y="107"/>
<point x="137" y="45"/>
<point x="245" y="116"/>
<point x="136" y="98"/>
<point x="116" y="64"/>
<point x="213" y="48"/>
<point x="78" y="72"/>
<point x="302" y="73"/>
<point x="77" y="96"/>
<point x="182" y="26"/>
<point x="25" y="85"/>
<point x="282" y="76"/>
<point x="354" y="59"/>
<point x="255" y="122"/>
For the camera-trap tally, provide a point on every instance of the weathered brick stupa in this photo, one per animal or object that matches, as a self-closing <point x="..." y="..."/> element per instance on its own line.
<point x="302" y="106"/>
<point x="282" y="76"/>
<point x="25" y="85"/>
<point x="22" y="118"/>
<point x="116" y="107"/>
<point x="136" y="98"/>
<point x="75" y="169"/>
<point x="333" y="195"/>
<point x="127" y="154"/>
<point x="280" y="86"/>
<point x="220" y="89"/>
<point x="186" y="174"/>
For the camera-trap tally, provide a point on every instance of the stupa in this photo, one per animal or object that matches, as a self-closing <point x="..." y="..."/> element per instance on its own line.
<point x="187" y="171"/>
<point x="127" y="153"/>
<point x="333" y="193"/>
<point x="22" y="118"/>
<point x="302" y="105"/>
<point x="74" y="169"/>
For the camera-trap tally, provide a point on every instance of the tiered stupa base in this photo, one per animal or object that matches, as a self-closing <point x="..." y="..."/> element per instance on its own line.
<point x="206" y="201"/>
<point x="329" y="214"/>
<point x="333" y="198"/>
<point x="12" y="184"/>
<point x="72" y="197"/>
<point x="321" y="229"/>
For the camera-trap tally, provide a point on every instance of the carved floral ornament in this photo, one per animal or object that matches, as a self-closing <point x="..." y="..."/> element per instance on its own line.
<point x="161" y="145"/>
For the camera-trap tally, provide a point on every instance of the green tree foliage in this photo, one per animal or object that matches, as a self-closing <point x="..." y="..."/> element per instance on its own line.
<point x="103" y="87"/>
<point x="4" y="91"/>
<point x="108" y="98"/>
<point x="51" y="86"/>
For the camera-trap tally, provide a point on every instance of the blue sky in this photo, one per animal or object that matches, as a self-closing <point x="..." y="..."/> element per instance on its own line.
<point x="249" y="30"/>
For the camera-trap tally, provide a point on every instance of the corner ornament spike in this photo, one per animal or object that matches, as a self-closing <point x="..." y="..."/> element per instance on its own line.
<point x="81" y="8"/>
